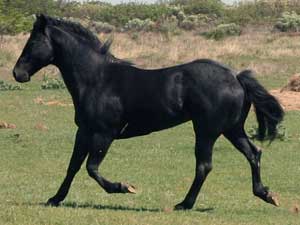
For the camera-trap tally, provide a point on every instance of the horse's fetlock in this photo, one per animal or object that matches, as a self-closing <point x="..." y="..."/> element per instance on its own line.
<point x="92" y="172"/>
<point x="260" y="191"/>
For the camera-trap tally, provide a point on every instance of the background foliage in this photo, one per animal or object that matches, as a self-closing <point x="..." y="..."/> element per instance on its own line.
<point x="17" y="16"/>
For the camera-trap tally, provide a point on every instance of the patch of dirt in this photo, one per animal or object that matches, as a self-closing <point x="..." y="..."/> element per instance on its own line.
<point x="41" y="127"/>
<point x="41" y="101"/>
<point x="6" y="74"/>
<point x="5" y="125"/>
<point x="289" y="95"/>
<point x="293" y="84"/>
<point x="290" y="100"/>
<point x="295" y="209"/>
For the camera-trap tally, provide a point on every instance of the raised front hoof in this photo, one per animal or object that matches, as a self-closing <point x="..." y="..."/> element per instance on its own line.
<point x="52" y="202"/>
<point x="272" y="198"/>
<point x="182" y="206"/>
<point x="127" y="188"/>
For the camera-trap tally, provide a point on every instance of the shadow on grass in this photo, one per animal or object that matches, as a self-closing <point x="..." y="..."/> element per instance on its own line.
<point x="107" y="207"/>
<point x="205" y="210"/>
<point x="124" y="208"/>
<point x="87" y="205"/>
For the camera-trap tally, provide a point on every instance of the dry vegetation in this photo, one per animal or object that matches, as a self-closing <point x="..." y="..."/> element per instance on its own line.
<point x="36" y="152"/>
<point x="266" y="53"/>
<point x="273" y="56"/>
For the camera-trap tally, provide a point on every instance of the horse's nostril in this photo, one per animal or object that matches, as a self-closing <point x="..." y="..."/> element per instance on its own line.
<point x="14" y="73"/>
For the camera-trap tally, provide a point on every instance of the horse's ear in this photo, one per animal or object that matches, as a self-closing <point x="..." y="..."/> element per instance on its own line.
<point x="41" y="21"/>
<point x="105" y="47"/>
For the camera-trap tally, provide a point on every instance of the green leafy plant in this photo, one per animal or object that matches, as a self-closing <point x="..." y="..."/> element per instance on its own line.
<point x="289" y="21"/>
<point x="4" y="86"/>
<point x="137" y="24"/>
<point x="281" y="133"/>
<point x="223" y="30"/>
<point x="52" y="83"/>
<point x="101" y="27"/>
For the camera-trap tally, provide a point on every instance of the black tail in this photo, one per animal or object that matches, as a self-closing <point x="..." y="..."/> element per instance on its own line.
<point x="269" y="113"/>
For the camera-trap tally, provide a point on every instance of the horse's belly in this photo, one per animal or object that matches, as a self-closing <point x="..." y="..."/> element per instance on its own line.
<point x="146" y="125"/>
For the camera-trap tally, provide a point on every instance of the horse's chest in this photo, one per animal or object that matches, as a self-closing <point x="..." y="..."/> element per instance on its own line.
<point x="99" y="113"/>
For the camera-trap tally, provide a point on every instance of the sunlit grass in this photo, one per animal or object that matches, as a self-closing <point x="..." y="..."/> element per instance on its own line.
<point x="33" y="161"/>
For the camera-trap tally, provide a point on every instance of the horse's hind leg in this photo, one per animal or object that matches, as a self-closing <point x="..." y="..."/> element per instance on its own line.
<point x="99" y="146"/>
<point x="203" y="153"/>
<point x="79" y="154"/>
<point x="240" y="140"/>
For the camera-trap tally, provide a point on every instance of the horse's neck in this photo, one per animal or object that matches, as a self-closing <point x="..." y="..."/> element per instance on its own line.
<point x="76" y="79"/>
<point x="77" y="65"/>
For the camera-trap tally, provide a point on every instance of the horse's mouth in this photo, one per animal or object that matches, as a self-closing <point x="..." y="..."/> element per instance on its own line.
<point x="22" y="79"/>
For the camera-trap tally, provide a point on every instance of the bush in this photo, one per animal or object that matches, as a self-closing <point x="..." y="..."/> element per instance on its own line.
<point x="100" y="27"/>
<point x="289" y="21"/>
<point x="193" y="21"/>
<point x="168" y="26"/>
<point x="17" y="16"/>
<point x="119" y="15"/>
<point x="222" y="31"/>
<point x="137" y="24"/>
<point x="281" y="133"/>
<point x="259" y="11"/>
<point x="4" y="86"/>
<point x="52" y="83"/>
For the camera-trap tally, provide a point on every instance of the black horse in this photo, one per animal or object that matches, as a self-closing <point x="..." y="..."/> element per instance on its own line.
<point x="115" y="100"/>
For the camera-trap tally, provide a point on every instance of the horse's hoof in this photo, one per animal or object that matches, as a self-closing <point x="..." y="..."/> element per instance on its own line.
<point x="127" y="188"/>
<point x="272" y="198"/>
<point x="182" y="206"/>
<point x="52" y="202"/>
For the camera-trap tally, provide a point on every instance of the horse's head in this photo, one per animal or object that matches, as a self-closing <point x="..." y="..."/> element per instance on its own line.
<point x="37" y="52"/>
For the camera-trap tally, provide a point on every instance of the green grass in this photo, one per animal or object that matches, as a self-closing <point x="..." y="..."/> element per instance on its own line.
<point x="33" y="164"/>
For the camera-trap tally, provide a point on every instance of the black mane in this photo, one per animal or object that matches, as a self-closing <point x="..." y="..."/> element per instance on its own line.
<point x="85" y="33"/>
<point x="75" y="28"/>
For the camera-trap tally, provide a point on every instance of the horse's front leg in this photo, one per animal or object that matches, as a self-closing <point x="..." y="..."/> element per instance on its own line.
<point x="79" y="154"/>
<point x="98" y="149"/>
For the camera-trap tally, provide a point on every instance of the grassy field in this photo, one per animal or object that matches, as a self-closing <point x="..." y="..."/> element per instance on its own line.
<point x="34" y="156"/>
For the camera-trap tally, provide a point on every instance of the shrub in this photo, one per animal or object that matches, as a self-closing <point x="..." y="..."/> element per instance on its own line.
<point x="222" y="31"/>
<point x="168" y="26"/>
<point x="4" y="86"/>
<point x="52" y="83"/>
<point x="193" y="21"/>
<point x="83" y="22"/>
<point x="187" y="24"/>
<point x="100" y="27"/>
<point x="191" y="7"/>
<point x="281" y="133"/>
<point x="289" y="21"/>
<point x="137" y="24"/>
<point x="119" y="15"/>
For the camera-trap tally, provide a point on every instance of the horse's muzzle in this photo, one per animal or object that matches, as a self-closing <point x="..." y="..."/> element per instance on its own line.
<point x="21" y="76"/>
